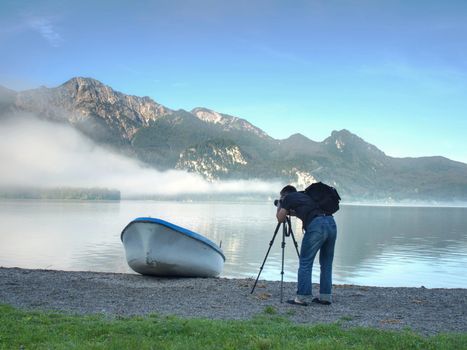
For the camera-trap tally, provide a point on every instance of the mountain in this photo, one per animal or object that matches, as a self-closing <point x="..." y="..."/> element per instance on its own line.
<point x="221" y="146"/>
<point x="227" y="122"/>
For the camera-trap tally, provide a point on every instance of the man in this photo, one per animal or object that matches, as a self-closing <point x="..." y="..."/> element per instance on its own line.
<point x="320" y="234"/>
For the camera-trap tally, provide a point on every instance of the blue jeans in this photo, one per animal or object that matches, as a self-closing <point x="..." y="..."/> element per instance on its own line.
<point x="320" y="234"/>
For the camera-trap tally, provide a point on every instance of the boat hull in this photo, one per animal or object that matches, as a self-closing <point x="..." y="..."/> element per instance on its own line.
<point x="155" y="247"/>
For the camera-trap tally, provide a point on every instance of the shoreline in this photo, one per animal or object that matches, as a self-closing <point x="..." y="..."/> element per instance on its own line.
<point x="241" y="199"/>
<point x="423" y="310"/>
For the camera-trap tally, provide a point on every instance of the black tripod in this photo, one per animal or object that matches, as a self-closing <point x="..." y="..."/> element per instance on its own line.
<point x="286" y="232"/>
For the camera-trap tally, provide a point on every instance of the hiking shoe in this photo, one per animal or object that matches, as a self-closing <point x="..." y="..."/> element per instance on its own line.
<point x="319" y="301"/>
<point x="297" y="302"/>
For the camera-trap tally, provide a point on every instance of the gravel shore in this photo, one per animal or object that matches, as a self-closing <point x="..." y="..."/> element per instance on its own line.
<point x="426" y="311"/>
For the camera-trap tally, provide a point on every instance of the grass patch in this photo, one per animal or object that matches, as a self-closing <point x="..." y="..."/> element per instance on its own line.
<point x="346" y="318"/>
<point x="270" y="310"/>
<point x="41" y="330"/>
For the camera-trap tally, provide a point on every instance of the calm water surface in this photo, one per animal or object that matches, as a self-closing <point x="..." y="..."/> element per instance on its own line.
<point x="381" y="246"/>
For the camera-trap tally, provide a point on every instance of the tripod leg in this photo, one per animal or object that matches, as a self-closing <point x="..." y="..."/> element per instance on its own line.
<point x="264" y="261"/>
<point x="293" y="237"/>
<point x="295" y="244"/>
<point x="282" y="268"/>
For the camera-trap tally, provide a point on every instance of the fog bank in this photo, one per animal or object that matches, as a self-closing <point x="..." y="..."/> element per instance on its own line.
<point x="39" y="153"/>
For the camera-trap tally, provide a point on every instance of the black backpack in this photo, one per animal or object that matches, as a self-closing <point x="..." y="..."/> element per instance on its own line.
<point x="326" y="197"/>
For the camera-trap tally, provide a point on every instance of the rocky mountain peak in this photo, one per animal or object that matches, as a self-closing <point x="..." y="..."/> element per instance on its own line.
<point x="228" y="122"/>
<point x="88" y="90"/>
<point x="343" y="134"/>
<point x="86" y="100"/>
<point x="209" y="116"/>
<point x="83" y="82"/>
<point x="92" y="90"/>
<point x="343" y="141"/>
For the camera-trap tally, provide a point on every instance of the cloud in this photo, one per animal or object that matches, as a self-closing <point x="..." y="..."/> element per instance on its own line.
<point x="39" y="153"/>
<point x="47" y="30"/>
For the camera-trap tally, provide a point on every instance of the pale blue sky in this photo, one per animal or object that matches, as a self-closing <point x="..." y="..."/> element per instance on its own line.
<point x="392" y="72"/>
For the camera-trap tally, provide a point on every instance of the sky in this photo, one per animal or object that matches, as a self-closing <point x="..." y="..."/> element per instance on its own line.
<point x="392" y="72"/>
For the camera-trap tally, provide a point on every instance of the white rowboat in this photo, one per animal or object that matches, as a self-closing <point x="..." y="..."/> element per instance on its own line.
<point x="159" y="248"/>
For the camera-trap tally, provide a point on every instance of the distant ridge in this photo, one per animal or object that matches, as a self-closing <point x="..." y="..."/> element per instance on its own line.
<point x="220" y="146"/>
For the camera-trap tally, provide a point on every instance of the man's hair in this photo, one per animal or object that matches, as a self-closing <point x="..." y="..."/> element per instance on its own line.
<point x="288" y="189"/>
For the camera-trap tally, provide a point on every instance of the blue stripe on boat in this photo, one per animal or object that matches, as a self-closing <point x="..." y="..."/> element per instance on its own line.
<point x="183" y="230"/>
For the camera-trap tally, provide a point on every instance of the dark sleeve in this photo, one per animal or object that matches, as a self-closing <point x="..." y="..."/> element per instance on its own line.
<point x="287" y="202"/>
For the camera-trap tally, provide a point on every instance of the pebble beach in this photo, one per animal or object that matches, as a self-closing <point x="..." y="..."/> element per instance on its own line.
<point x="423" y="310"/>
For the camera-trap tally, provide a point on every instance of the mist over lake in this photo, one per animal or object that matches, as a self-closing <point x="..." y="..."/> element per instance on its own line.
<point x="376" y="245"/>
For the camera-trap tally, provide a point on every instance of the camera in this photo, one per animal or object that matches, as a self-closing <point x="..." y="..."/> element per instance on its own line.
<point x="277" y="202"/>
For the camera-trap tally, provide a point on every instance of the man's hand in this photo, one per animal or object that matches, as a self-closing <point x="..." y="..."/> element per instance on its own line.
<point x="281" y="214"/>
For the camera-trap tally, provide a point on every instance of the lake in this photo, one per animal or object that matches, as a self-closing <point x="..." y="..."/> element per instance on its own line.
<point x="376" y="245"/>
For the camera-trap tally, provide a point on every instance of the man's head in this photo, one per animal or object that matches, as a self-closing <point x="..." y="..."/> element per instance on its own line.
<point x="286" y="190"/>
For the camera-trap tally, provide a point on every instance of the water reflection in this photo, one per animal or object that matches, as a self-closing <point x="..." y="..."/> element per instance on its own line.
<point x="386" y="246"/>
<point x="402" y="246"/>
